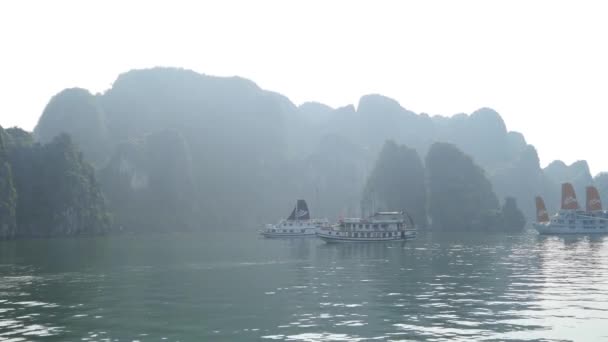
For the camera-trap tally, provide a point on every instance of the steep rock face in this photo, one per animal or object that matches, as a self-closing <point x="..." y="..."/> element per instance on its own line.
<point x="149" y="183"/>
<point x="483" y="135"/>
<point x="78" y="113"/>
<point x="601" y="182"/>
<point x="512" y="218"/>
<point x="577" y="173"/>
<point x="524" y="179"/>
<point x="460" y="196"/>
<point x="235" y="130"/>
<point x="397" y="183"/>
<point x="515" y="144"/>
<point x="380" y="118"/>
<point x="331" y="178"/>
<point x="247" y="143"/>
<point x="8" y="194"/>
<point x="56" y="188"/>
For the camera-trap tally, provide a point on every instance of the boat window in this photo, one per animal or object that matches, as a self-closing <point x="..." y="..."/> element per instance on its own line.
<point x="375" y="226"/>
<point x="291" y="230"/>
<point x="302" y="230"/>
<point x="384" y="225"/>
<point x="571" y="222"/>
<point x="284" y="230"/>
<point x="274" y="230"/>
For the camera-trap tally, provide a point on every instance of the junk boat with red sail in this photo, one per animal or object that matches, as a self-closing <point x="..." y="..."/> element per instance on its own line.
<point x="571" y="219"/>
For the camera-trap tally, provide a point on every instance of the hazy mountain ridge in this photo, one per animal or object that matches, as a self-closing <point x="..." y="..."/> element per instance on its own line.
<point x="253" y="152"/>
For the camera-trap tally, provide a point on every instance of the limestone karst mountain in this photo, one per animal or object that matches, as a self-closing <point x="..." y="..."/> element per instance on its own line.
<point x="252" y="151"/>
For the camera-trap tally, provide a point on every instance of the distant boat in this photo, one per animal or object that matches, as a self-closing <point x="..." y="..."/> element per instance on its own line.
<point x="571" y="219"/>
<point x="298" y="224"/>
<point x="382" y="226"/>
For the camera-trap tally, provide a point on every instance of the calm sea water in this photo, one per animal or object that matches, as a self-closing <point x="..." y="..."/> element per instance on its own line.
<point x="235" y="286"/>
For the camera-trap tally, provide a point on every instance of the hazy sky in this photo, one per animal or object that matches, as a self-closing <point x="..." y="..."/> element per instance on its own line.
<point x="543" y="65"/>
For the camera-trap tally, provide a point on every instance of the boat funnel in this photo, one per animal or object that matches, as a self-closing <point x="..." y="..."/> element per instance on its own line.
<point x="300" y="212"/>
<point x="569" y="201"/>
<point x="594" y="203"/>
<point x="541" y="210"/>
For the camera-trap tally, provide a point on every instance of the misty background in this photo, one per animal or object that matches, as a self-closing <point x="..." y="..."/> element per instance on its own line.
<point x="541" y="65"/>
<point x="129" y="120"/>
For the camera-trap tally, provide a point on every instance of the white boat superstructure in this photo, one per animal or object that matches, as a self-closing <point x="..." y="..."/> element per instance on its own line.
<point x="575" y="222"/>
<point x="298" y="224"/>
<point x="382" y="226"/>
<point x="570" y="219"/>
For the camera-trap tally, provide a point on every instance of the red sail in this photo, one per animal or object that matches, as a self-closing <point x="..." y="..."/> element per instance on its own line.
<point x="541" y="210"/>
<point x="569" y="201"/>
<point x="594" y="203"/>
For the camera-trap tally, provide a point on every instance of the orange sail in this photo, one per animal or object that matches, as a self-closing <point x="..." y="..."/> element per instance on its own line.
<point x="594" y="203"/>
<point x="569" y="201"/>
<point x="541" y="210"/>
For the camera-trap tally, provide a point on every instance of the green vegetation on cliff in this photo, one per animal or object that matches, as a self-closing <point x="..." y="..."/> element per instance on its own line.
<point x="149" y="183"/>
<point x="8" y="194"/>
<point x="460" y="195"/>
<point x="56" y="189"/>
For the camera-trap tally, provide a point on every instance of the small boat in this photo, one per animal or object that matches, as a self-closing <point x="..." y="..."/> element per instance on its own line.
<point x="382" y="226"/>
<point x="298" y="224"/>
<point x="571" y="219"/>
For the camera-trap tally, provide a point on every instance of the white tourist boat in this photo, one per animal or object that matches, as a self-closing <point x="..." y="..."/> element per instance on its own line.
<point x="298" y="224"/>
<point x="571" y="219"/>
<point x="382" y="226"/>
